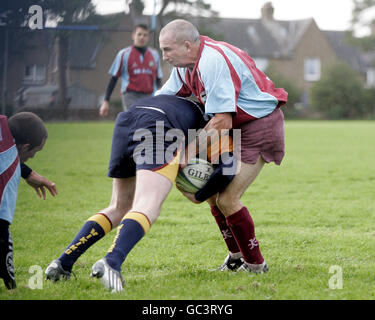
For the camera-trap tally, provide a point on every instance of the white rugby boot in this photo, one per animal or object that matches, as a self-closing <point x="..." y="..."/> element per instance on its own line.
<point x="111" y="279"/>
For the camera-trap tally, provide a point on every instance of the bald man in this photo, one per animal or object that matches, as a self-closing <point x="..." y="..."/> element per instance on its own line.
<point x="239" y="96"/>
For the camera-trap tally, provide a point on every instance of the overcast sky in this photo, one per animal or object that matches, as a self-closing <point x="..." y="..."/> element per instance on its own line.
<point x="328" y="14"/>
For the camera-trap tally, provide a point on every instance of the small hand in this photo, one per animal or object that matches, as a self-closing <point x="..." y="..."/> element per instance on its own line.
<point x="103" y="111"/>
<point x="188" y="195"/>
<point x="39" y="183"/>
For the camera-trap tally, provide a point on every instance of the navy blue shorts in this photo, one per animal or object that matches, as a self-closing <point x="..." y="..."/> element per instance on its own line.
<point x="142" y="139"/>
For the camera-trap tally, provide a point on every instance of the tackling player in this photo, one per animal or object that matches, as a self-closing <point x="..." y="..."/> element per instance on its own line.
<point x="226" y="80"/>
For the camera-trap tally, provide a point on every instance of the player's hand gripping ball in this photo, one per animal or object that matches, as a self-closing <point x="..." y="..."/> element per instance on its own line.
<point x="194" y="176"/>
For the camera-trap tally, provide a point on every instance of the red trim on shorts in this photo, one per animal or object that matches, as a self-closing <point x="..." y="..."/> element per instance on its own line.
<point x="105" y="216"/>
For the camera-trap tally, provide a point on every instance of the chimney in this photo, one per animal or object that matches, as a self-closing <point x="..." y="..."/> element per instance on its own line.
<point x="267" y="11"/>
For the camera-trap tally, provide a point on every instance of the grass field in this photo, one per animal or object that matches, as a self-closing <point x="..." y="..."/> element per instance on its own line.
<point x="314" y="218"/>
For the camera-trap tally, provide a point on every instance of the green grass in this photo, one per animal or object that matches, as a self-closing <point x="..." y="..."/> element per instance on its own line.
<point x="314" y="211"/>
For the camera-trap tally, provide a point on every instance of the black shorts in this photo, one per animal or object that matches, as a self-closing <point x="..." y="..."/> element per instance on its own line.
<point x="6" y="256"/>
<point x="143" y="139"/>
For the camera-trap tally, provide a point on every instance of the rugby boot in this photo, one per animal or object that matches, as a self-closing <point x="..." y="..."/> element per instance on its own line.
<point x="110" y="278"/>
<point x="56" y="272"/>
<point x="230" y="263"/>
<point x="254" y="268"/>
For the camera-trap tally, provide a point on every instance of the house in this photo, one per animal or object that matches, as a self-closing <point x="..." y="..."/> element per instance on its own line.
<point x="32" y="79"/>
<point x="362" y="62"/>
<point x="27" y="66"/>
<point x="297" y="49"/>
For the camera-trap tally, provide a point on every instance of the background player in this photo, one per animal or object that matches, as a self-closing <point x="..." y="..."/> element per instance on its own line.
<point x="139" y="68"/>
<point x="21" y="137"/>
<point x="226" y="80"/>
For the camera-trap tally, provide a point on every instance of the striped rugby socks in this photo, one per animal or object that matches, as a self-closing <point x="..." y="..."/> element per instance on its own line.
<point x="130" y="231"/>
<point x="95" y="228"/>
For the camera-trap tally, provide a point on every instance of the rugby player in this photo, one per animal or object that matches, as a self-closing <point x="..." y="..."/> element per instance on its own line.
<point x="139" y="68"/>
<point x="145" y="156"/>
<point x="226" y="80"/>
<point x="21" y="137"/>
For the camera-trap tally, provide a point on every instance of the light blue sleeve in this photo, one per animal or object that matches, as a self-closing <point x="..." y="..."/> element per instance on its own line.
<point x="119" y="65"/>
<point x="218" y="82"/>
<point x="173" y="84"/>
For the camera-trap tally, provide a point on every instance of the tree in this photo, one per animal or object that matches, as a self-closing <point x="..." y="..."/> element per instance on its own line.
<point x="66" y="13"/>
<point x="339" y="94"/>
<point x="15" y="14"/>
<point x="361" y="7"/>
<point x="136" y="7"/>
<point x="183" y="7"/>
<point x="14" y="41"/>
<point x="359" y="22"/>
<point x="173" y="9"/>
<point x="294" y="92"/>
<point x="187" y="9"/>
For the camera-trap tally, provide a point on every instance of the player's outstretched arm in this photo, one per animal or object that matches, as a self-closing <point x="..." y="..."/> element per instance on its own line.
<point x="40" y="184"/>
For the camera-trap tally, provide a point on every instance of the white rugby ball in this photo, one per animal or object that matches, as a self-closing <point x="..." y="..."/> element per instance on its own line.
<point x="195" y="175"/>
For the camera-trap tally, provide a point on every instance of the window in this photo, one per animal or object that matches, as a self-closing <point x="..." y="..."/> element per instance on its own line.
<point x="34" y="74"/>
<point x="370" y="78"/>
<point x="312" y="69"/>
